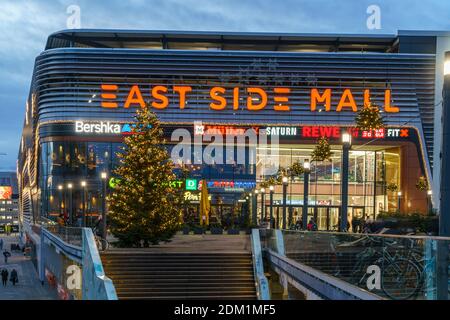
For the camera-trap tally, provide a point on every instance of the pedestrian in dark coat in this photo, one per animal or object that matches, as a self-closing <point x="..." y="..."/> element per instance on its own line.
<point x="14" y="278"/>
<point x="6" y="254"/>
<point x="4" y="277"/>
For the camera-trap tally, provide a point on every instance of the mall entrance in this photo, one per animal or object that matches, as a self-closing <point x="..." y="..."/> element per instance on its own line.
<point x="326" y="217"/>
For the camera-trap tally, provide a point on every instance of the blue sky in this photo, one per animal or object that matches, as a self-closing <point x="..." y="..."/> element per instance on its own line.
<point x="25" y="26"/>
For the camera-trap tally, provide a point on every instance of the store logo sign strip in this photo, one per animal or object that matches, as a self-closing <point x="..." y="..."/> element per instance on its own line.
<point x="335" y="132"/>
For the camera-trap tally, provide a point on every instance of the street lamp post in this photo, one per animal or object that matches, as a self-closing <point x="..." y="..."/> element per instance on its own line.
<point x="399" y="200"/>
<point x="285" y="184"/>
<point x="346" y="145"/>
<point x="263" y="209"/>
<point x="255" y="208"/>
<point x="246" y="213"/>
<point x="60" y="188"/>
<point x="306" y="169"/>
<point x="70" y="186"/>
<point x="104" y="234"/>
<point x="430" y="203"/>
<point x="83" y="199"/>
<point x="271" y="189"/>
<point x="444" y="207"/>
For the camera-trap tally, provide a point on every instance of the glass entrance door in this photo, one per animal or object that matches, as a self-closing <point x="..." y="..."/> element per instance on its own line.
<point x="322" y="218"/>
<point x="327" y="218"/>
<point x="333" y="218"/>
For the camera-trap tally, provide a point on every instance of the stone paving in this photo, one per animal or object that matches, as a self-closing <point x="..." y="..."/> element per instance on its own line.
<point x="201" y="243"/>
<point x="29" y="286"/>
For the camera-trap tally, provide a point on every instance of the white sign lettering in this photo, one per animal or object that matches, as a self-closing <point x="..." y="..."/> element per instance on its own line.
<point x="97" y="127"/>
<point x="281" y="131"/>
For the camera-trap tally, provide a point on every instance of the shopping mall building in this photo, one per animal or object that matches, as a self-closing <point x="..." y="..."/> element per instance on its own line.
<point x="87" y="85"/>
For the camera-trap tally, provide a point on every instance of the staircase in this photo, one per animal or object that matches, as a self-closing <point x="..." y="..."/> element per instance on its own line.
<point x="140" y="274"/>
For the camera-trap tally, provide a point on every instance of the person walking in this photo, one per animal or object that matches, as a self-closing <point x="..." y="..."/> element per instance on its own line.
<point x="312" y="226"/>
<point x="4" y="277"/>
<point x="6" y="254"/>
<point x="14" y="278"/>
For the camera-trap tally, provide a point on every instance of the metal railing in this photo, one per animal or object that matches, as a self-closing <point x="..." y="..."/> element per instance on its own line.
<point x="96" y="285"/>
<point x="70" y="235"/>
<point x="393" y="267"/>
<point x="261" y="282"/>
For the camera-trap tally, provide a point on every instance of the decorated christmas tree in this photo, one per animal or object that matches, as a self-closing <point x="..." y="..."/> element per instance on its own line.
<point x="322" y="150"/>
<point x="296" y="169"/>
<point x="422" y="183"/>
<point x="144" y="207"/>
<point x="369" y="118"/>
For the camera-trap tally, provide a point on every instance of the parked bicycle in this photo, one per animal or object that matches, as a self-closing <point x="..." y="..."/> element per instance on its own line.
<point x="401" y="278"/>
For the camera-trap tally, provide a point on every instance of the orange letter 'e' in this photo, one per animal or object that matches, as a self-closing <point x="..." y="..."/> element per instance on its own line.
<point x="214" y="93"/>
<point x="182" y="90"/>
<point x="110" y="96"/>
<point x="262" y="104"/>
<point x="347" y="100"/>
<point x="317" y="97"/>
<point x="156" y="93"/>
<point x="279" y="106"/>
<point x="134" y="96"/>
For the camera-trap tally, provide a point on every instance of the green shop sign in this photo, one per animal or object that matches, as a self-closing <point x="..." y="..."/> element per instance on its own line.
<point x="191" y="184"/>
<point x="113" y="182"/>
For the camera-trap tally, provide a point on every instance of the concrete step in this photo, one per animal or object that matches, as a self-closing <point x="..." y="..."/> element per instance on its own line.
<point x="186" y="297"/>
<point x="182" y="277"/>
<point x="191" y="289"/>
<point x="180" y="284"/>
<point x="204" y="267"/>
<point x="175" y="261"/>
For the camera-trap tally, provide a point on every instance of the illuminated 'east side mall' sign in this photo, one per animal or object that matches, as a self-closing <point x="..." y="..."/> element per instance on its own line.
<point x="257" y="98"/>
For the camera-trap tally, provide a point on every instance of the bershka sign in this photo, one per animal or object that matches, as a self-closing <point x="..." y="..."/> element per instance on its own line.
<point x="98" y="127"/>
<point x="237" y="98"/>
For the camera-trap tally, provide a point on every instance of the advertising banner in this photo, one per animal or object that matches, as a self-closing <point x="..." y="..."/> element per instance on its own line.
<point x="5" y="192"/>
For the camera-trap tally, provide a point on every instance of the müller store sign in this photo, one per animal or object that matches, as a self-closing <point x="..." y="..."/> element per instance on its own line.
<point x="221" y="98"/>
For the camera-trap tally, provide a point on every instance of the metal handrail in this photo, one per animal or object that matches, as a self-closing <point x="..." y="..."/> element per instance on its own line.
<point x="96" y="285"/>
<point x="320" y="283"/>
<point x="261" y="282"/>
<point x="416" y="237"/>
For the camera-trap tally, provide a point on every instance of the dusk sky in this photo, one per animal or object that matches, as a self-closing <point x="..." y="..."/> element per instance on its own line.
<point x="25" y="26"/>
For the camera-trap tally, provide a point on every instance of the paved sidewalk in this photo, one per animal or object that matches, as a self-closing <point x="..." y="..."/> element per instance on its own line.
<point x="29" y="286"/>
